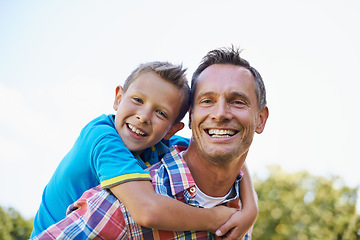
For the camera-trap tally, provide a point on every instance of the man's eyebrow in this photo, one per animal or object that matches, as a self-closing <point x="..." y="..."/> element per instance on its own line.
<point x="239" y="94"/>
<point x="204" y="93"/>
<point x="232" y="94"/>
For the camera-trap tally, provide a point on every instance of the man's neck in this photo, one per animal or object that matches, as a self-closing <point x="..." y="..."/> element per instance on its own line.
<point x="213" y="179"/>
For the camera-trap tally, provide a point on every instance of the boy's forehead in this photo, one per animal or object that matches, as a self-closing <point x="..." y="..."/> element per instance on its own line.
<point x="152" y="84"/>
<point x="142" y="80"/>
<point x="134" y="77"/>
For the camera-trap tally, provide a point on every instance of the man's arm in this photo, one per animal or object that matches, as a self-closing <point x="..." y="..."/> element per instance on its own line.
<point x="242" y="221"/>
<point x="153" y="210"/>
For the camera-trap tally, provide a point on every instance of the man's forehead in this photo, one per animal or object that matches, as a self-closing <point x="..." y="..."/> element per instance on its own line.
<point x="225" y="77"/>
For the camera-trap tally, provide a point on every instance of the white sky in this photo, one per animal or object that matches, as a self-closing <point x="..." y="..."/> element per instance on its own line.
<point x="60" y="62"/>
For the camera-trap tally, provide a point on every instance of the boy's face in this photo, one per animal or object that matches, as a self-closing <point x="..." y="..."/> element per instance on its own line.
<point x="146" y="111"/>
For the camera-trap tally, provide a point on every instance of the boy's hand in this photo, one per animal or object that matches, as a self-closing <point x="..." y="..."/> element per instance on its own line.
<point x="223" y="215"/>
<point x="236" y="227"/>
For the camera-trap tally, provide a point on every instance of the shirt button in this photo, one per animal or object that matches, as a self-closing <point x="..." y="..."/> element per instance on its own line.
<point x="192" y="189"/>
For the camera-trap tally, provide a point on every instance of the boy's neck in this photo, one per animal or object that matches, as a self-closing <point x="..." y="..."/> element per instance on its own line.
<point x="139" y="153"/>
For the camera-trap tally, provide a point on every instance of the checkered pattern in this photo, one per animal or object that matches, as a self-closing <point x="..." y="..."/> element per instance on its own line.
<point x="99" y="215"/>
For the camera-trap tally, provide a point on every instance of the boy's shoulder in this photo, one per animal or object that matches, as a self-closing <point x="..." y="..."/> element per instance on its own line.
<point x="105" y="121"/>
<point x="101" y="126"/>
<point x="177" y="140"/>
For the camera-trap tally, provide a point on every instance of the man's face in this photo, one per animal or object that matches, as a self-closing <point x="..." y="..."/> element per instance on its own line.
<point x="146" y="111"/>
<point x="225" y="116"/>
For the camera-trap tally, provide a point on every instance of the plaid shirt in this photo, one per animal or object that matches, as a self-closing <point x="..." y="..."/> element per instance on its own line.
<point x="98" y="214"/>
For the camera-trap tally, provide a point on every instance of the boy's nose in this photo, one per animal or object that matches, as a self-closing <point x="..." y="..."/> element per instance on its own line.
<point x="144" y="116"/>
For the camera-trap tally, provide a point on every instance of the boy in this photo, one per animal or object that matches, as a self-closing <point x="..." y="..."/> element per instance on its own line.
<point x="148" y="111"/>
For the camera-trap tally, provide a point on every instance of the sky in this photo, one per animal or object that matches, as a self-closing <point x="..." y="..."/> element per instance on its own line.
<point x="60" y="62"/>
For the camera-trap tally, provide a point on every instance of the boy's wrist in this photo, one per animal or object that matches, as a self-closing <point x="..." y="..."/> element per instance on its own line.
<point x="213" y="225"/>
<point x="219" y="216"/>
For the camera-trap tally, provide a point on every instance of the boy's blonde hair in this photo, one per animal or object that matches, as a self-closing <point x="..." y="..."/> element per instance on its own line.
<point x="174" y="74"/>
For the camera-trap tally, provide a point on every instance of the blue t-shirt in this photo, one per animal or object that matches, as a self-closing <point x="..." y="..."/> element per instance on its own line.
<point x="98" y="157"/>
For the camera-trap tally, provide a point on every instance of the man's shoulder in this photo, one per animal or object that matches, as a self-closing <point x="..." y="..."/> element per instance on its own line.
<point x="170" y="158"/>
<point x="171" y="174"/>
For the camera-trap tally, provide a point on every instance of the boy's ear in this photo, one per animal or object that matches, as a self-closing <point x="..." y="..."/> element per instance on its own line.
<point x="262" y="118"/>
<point x="118" y="94"/>
<point x="174" y="129"/>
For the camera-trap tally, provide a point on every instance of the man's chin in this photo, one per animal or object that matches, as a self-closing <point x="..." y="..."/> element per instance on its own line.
<point x="220" y="157"/>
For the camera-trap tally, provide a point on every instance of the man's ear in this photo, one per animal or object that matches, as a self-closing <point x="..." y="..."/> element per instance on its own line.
<point x="118" y="94"/>
<point x="190" y="117"/>
<point x="174" y="129"/>
<point x="262" y="118"/>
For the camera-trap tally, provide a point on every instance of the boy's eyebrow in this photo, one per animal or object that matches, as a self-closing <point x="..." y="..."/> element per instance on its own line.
<point x="158" y="105"/>
<point x="164" y="108"/>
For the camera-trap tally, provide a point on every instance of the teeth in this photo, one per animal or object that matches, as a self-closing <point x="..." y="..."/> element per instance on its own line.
<point x="221" y="133"/>
<point x="135" y="130"/>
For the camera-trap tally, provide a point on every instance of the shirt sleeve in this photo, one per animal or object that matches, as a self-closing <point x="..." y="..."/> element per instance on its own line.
<point x="178" y="140"/>
<point x="115" y="164"/>
<point x="97" y="213"/>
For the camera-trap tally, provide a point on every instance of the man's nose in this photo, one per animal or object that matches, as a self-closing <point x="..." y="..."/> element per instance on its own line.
<point x="221" y="111"/>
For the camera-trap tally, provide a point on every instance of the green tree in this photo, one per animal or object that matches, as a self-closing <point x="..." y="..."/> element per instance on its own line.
<point x="301" y="206"/>
<point x="13" y="225"/>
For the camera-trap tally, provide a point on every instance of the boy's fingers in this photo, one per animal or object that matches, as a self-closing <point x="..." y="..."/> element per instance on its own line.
<point x="230" y="235"/>
<point x="222" y="230"/>
<point x="228" y="232"/>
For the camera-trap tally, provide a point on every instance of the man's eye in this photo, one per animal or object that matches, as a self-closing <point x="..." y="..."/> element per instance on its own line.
<point x="136" y="99"/>
<point x="161" y="113"/>
<point x="206" y="101"/>
<point x="239" y="102"/>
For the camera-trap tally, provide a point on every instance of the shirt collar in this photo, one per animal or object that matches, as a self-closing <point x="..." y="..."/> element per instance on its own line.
<point x="178" y="171"/>
<point x="180" y="176"/>
<point x="155" y="153"/>
<point x="152" y="154"/>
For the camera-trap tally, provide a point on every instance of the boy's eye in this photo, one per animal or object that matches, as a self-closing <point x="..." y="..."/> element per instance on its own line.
<point x="162" y="114"/>
<point x="136" y="99"/>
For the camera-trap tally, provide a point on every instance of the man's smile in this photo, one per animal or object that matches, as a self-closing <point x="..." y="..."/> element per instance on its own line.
<point x="221" y="133"/>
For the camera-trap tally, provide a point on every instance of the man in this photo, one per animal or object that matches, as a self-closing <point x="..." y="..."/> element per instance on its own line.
<point x="228" y="106"/>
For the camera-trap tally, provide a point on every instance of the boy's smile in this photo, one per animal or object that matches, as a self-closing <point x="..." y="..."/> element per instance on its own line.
<point x="146" y="111"/>
<point x="136" y="131"/>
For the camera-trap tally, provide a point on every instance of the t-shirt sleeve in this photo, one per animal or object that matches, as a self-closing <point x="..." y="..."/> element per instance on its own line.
<point x="115" y="164"/>
<point x="179" y="141"/>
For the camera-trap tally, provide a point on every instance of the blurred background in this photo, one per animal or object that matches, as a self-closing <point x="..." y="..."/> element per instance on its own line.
<point x="60" y="62"/>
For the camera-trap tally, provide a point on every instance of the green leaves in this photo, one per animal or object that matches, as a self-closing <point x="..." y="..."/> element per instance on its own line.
<point x="13" y="226"/>
<point x="301" y="206"/>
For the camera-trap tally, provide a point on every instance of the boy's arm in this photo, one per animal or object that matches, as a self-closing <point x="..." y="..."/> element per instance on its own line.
<point x="153" y="210"/>
<point x="240" y="223"/>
